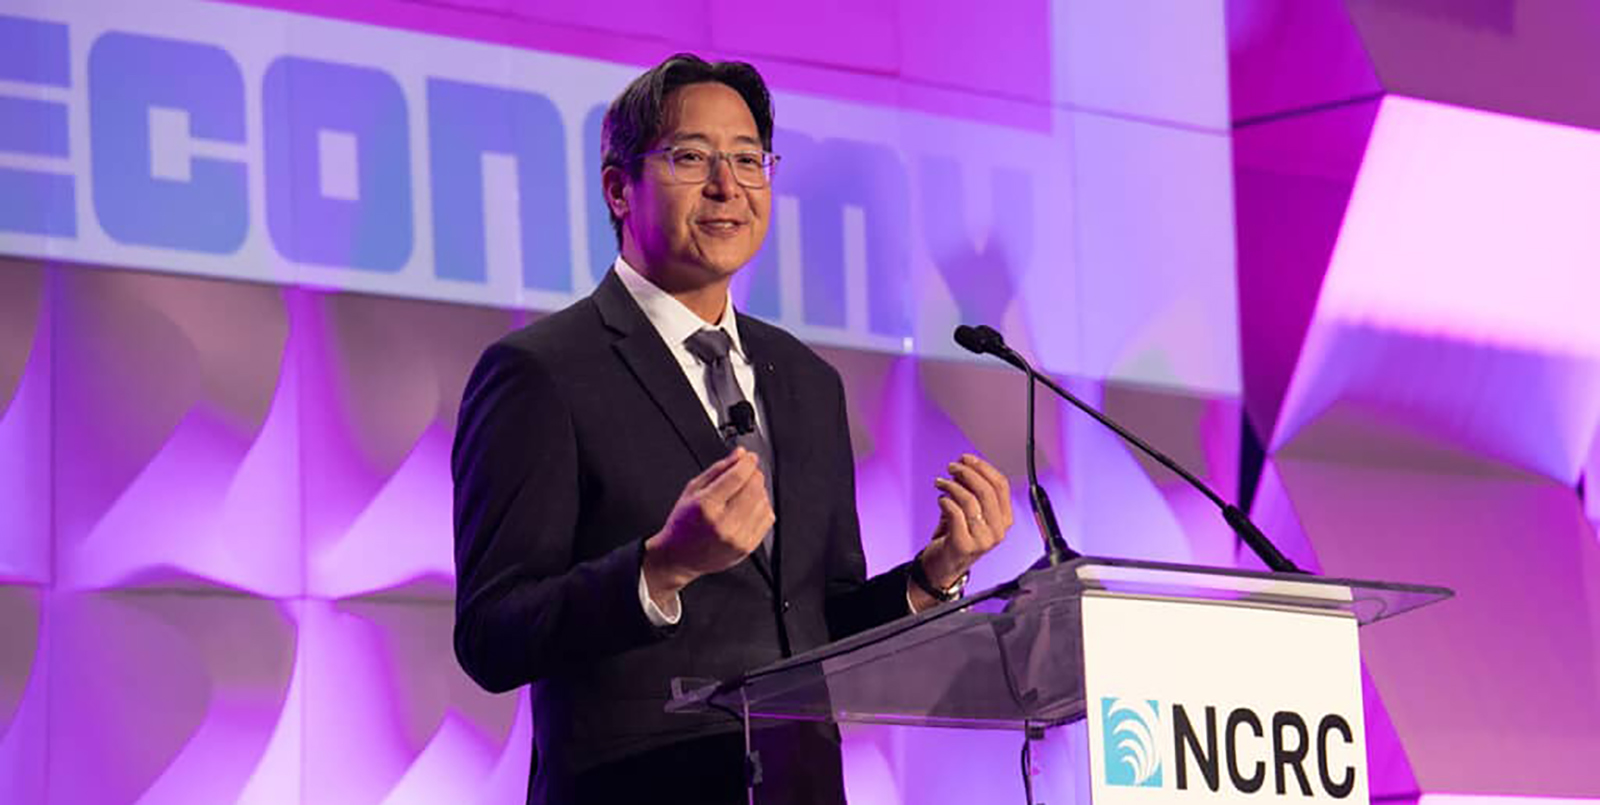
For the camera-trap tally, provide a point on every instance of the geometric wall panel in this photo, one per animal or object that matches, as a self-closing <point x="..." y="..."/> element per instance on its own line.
<point x="1417" y="283"/>
<point x="1272" y="510"/>
<point x="350" y="691"/>
<point x="168" y="696"/>
<point x="1471" y="228"/>
<point x="1530" y="409"/>
<point x="1201" y="433"/>
<point x="952" y="408"/>
<point x="1473" y="224"/>
<point x="174" y="389"/>
<point x="1117" y="502"/>
<point x="1591" y="477"/>
<point x="877" y="391"/>
<point x="1389" y="774"/>
<point x="1496" y="799"/>
<point x="1532" y="59"/>
<point x="910" y="418"/>
<point x="24" y="422"/>
<point x="1292" y="181"/>
<point x="1292" y="58"/>
<point x="24" y="691"/>
<point x="381" y="383"/>
<point x="1499" y="688"/>
<point x="390" y="716"/>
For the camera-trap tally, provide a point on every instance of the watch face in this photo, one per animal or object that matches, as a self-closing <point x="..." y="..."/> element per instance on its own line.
<point x="954" y="591"/>
<point x="951" y="593"/>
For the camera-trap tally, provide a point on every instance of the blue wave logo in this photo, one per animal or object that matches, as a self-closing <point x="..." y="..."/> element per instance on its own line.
<point x="1132" y="752"/>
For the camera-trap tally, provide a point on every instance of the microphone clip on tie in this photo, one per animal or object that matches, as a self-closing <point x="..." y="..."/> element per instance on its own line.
<point x="741" y="420"/>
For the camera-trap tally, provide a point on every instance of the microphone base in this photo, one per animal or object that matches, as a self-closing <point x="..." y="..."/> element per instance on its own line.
<point x="1057" y="554"/>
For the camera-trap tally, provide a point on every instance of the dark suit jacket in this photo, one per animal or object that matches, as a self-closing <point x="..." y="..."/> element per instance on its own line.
<point x="575" y="437"/>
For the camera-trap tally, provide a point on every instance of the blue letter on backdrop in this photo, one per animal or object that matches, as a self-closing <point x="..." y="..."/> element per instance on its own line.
<point x="301" y="99"/>
<point x="464" y="122"/>
<point x="597" y="214"/>
<point x="33" y="52"/>
<point x="982" y="282"/>
<point x="128" y="75"/>
<point x="829" y="175"/>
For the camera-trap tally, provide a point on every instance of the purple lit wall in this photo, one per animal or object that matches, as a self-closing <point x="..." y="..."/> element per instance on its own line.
<point x="1341" y="258"/>
<point x="1416" y="192"/>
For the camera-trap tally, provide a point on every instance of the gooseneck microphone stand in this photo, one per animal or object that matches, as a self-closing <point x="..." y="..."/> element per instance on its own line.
<point x="985" y="340"/>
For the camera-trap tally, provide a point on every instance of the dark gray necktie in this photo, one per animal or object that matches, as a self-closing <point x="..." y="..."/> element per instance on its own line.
<point x="712" y="347"/>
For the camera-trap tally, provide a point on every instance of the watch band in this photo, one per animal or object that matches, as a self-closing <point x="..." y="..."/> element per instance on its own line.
<point x="919" y="577"/>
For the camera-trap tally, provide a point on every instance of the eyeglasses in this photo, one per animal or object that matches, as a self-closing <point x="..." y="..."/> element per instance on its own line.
<point x="693" y="165"/>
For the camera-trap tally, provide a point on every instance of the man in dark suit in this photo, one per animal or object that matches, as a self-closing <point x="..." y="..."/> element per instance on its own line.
<point x="618" y="525"/>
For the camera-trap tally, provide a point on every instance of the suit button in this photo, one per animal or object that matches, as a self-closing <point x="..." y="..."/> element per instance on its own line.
<point x="785" y="605"/>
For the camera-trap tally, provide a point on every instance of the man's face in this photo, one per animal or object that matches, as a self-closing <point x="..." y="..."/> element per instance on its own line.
<point x="689" y="235"/>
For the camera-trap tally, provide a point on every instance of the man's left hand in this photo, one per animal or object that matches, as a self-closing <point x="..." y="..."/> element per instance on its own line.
<point x="974" y="515"/>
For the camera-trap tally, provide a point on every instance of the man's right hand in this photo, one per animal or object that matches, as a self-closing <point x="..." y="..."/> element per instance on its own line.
<point x="720" y="517"/>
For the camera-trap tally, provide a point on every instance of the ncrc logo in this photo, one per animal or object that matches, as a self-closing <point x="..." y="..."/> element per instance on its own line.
<point x="1144" y="746"/>
<point x="1133" y="755"/>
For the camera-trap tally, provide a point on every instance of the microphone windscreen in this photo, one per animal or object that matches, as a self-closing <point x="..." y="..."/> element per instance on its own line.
<point x="970" y="339"/>
<point x="991" y="338"/>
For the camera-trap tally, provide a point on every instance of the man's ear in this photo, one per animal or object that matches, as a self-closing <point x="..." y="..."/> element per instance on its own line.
<point x="614" y="183"/>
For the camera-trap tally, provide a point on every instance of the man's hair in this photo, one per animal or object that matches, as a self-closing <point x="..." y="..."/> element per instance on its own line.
<point x="633" y="121"/>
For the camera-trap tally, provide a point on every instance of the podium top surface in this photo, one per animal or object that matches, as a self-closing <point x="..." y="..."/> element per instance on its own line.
<point x="1366" y="601"/>
<point x="1010" y="656"/>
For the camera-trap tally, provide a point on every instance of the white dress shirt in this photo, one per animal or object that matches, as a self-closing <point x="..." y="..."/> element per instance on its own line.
<point x="675" y="322"/>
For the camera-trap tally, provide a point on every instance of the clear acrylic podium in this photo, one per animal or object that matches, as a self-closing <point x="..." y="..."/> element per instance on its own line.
<point x="1012" y="657"/>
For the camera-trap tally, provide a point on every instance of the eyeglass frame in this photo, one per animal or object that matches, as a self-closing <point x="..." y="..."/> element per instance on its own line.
<point x="770" y="170"/>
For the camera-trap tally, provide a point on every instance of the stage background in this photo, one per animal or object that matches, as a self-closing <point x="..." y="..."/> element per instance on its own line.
<point x="1341" y="258"/>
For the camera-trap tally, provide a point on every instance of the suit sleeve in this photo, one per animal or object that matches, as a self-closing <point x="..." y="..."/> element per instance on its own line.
<point x="854" y="602"/>
<point x="524" y="611"/>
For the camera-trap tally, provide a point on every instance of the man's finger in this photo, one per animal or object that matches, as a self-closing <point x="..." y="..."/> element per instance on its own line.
<point x="722" y="487"/>
<point x="746" y="513"/>
<point x="970" y="505"/>
<point x="1002" y="485"/>
<point x="967" y="513"/>
<point x="978" y="484"/>
<point x="717" y="468"/>
<point x="996" y="509"/>
<point x="959" y="534"/>
<point x="769" y="518"/>
<point x="751" y="490"/>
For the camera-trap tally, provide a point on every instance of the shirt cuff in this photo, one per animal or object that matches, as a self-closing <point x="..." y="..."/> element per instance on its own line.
<point x="658" y="616"/>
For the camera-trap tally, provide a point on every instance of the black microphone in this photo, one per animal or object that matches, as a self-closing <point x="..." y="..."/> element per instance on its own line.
<point x="972" y="340"/>
<point x="742" y="417"/>
<point x="985" y="340"/>
<point x="741" y="420"/>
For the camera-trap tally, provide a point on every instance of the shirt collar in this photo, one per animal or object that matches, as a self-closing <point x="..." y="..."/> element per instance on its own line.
<point x="672" y="319"/>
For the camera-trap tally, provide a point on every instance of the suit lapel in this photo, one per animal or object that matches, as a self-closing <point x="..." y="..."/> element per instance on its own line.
<point x="652" y="364"/>
<point x="783" y="416"/>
